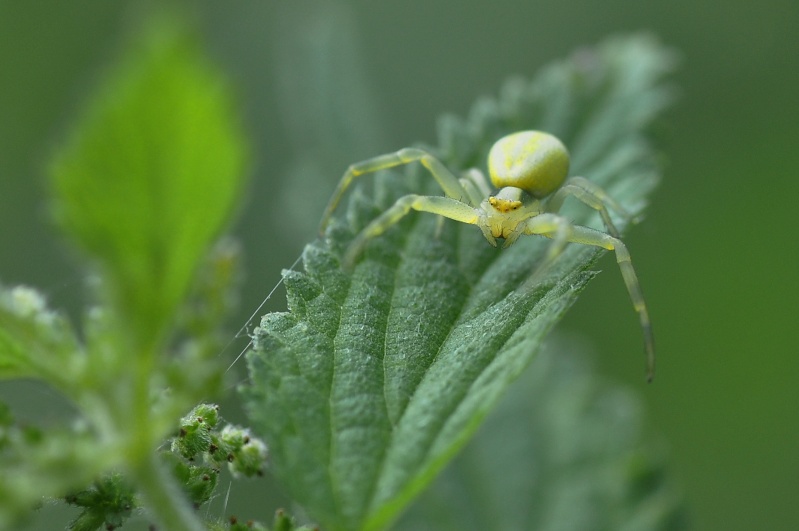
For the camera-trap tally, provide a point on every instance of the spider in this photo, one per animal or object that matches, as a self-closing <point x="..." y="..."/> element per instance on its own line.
<point x="529" y="169"/>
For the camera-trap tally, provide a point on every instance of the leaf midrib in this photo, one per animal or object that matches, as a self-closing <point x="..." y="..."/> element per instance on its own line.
<point x="454" y="323"/>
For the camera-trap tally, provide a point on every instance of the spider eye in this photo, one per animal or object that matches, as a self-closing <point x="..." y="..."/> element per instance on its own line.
<point x="504" y="205"/>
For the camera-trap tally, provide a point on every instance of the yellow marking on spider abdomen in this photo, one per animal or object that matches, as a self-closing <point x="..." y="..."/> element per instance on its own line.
<point x="531" y="160"/>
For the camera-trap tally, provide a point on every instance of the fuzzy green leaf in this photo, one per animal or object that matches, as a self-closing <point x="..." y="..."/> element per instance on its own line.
<point x="374" y="380"/>
<point x="143" y="185"/>
<point x="562" y="451"/>
<point x="157" y="150"/>
<point x="35" y="342"/>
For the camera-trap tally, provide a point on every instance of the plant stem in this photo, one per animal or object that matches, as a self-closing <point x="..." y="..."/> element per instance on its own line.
<point x="164" y="499"/>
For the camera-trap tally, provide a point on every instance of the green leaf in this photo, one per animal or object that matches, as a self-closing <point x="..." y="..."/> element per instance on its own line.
<point x="35" y="342"/>
<point x="562" y="451"/>
<point x="374" y="380"/>
<point x="157" y="150"/>
<point x="143" y="185"/>
<point x="110" y="500"/>
<point x="38" y="464"/>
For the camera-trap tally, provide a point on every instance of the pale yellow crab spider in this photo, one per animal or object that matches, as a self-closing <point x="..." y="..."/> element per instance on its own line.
<point x="529" y="169"/>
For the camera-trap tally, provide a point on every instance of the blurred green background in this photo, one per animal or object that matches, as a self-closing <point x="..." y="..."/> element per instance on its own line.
<point x="322" y="84"/>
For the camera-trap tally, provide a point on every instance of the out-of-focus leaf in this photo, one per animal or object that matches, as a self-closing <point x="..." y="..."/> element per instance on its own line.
<point x="35" y="341"/>
<point x="325" y="101"/>
<point x="151" y="174"/>
<point x="143" y="185"/>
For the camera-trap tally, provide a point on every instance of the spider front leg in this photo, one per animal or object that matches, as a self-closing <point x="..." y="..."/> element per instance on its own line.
<point x="476" y="185"/>
<point x="443" y="206"/>
<point x="448" y="182"/>
<point x="562" y="231"/>
<point x="591" y="195"/>
<point x="553" y="226"/>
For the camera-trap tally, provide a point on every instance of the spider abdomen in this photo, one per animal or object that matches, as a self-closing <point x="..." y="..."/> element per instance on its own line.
<point x="534" y="161"/>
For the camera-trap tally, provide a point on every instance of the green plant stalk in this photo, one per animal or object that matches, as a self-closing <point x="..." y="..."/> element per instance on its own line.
<point x="162" y="496"/>
<point x="159" y="490"/>
<point x="158" y="487"/>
